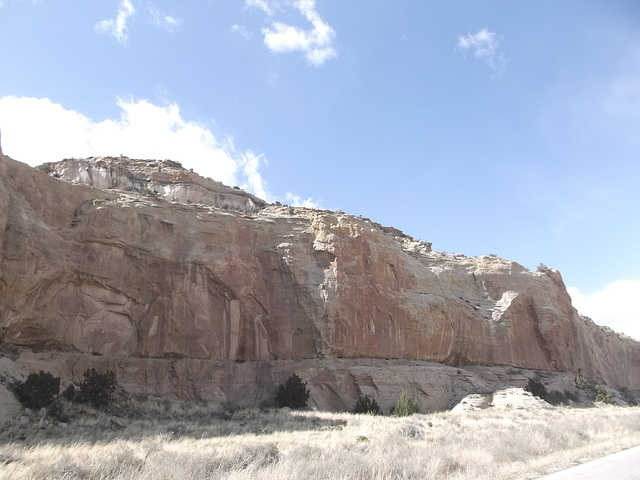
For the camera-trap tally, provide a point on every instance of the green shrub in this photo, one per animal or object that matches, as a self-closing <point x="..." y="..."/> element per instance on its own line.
<point x="602" y="395"/>
<point x="406" y="405"/>
<point x="367" y="404"/>
<point x="38" y="390"/>
<point x="590" y="389"/>
<point x="97" y="388"/>
<point x="293" y="393"/>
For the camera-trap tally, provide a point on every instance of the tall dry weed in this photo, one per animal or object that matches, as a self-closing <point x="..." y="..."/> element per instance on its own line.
<point x="290" y="445"/>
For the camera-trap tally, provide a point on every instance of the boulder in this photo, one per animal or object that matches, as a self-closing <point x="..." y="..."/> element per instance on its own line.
<point x="509" y="398"/>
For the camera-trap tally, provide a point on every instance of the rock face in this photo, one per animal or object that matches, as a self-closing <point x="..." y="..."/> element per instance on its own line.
<point x="164" y="178"/>
<point x="201" y="290"/>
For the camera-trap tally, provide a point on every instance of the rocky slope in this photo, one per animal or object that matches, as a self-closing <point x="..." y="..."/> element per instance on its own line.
<point x="192" y="289"/>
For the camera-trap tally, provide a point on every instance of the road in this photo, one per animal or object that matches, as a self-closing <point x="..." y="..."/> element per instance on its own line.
<point x="624" y="465"/>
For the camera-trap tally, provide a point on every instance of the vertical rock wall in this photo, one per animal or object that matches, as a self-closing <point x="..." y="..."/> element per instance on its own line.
<point x="140" y="280"/>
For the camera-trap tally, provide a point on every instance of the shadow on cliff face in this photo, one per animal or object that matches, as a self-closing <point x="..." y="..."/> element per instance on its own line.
<point x="139" y="419"/>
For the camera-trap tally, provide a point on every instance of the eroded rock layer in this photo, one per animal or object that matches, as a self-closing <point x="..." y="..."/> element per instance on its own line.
<point x="186" y="272"/>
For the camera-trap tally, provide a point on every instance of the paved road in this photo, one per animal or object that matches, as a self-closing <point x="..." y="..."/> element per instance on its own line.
<point x="624" y="465"/>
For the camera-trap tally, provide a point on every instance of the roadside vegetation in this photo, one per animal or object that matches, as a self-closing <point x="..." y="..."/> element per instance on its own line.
<point x="136" y="438"/>
<point x="94" y="430"/>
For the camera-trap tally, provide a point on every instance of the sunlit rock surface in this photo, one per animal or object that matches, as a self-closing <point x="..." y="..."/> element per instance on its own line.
<point x="191" y="289"/>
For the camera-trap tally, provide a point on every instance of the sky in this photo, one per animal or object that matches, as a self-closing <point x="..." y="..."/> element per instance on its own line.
<point x="500" y="127"/>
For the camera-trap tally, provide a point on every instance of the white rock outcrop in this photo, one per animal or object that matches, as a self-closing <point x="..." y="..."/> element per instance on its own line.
<point x="510" y="398"/>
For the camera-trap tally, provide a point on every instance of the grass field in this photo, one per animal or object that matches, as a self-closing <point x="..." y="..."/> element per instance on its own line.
<point x="165" y="441"/>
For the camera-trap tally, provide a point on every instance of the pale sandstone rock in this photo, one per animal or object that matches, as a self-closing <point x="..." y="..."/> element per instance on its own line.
<point x="334" y="384"/>
<point x="193" y="301"/>
<point x="165" y="178"/>
<point x="506" y="399"/>
<point x="9" y="406"/>
<point x="517" y="398"/>
<point x="10" y="373"/>
<point x="473" y="403"/>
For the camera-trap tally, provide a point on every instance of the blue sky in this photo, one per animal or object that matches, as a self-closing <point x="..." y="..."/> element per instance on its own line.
<point x="484" y="127"/>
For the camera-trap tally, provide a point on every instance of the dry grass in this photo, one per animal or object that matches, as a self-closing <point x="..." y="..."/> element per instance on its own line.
<point x="250" y="444"/>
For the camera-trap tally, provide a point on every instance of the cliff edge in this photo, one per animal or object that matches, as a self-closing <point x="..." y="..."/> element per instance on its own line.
<point x="188" y="288"/>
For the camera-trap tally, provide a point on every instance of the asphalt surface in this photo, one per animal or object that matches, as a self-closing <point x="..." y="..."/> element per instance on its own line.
<point x="624" y="465"/>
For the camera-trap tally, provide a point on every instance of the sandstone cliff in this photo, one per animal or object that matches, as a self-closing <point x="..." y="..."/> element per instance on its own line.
<point x="190" y="288"/>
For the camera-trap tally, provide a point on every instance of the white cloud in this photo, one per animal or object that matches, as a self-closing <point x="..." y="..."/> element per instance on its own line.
<point x="37" y="131"/>
<point x="298" y="201"/>
<point x="242" y="31"/>
<point x="117" y="28"/>
<point x="485" y="46"/>
<point x="161" y="20"/>
<point x="250" y="162"/>
<point x="615" y="306"/>
<point x="261" y="4"/>
<point x="317" y="43"/>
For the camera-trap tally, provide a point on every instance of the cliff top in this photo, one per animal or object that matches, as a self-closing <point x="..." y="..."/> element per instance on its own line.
<point x="169" y="180"/>
<point x="165" y="178"/>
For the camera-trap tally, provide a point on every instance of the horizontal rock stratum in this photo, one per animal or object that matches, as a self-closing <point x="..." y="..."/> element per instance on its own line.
<point x="172" y="279"/>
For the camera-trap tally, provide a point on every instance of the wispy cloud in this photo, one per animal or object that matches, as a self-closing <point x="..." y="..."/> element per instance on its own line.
<point x="615" y="306"/>
<point x="160" y="20"/>
<point x="242" y="31"/>
<point x="485" y="45"/>
<point x="609" y="108"/>
<point x="263" y="5"/>
<point x="143" y="130"/>
<point x="317" y="43"/>
<point x="117" y="28"/>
